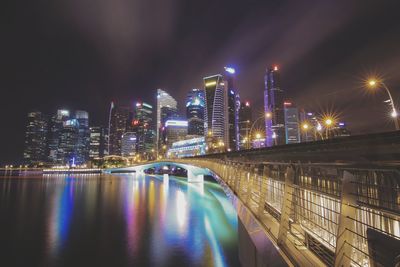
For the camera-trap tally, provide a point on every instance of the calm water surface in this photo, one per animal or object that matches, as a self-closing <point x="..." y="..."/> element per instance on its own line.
<point x="123" y="220"/>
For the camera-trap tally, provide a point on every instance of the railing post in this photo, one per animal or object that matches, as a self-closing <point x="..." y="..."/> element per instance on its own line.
<point x="238" y="179"/>
<point x="346" y="226"/>
<point x="263" y="191"/>
<point x="252" y="172"/>
<point x="286" y="205"/>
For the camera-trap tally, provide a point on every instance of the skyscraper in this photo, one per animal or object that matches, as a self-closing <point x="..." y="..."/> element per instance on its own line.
<point x="195" y="111"/>
<point x="166" y="110"/>
<point x="232" y="113"/>
<point x="36" y="138"/>
<point x="128" y="144"/>
<point x="118" y="125"/>
<point x="292" y="129"/>
<point x="222" y="109"/>
<point x="245" y="120"/>
<point x="83" y="144"/>
<point x="56" y="126"/>
<point x="273" y="107"/>
<point x="98" y="142"/>
<point x="67" y="152"/>
<point x="144" y="128"/>
<point x="215" y="115"/>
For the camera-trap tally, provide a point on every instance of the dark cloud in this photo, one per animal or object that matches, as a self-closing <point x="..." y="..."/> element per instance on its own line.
<point x="81" y="54"/>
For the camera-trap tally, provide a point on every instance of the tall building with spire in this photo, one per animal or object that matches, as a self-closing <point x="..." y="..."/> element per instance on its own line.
<point x="274" y="108"/>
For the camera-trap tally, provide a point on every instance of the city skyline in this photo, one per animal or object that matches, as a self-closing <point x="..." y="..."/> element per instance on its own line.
<point x="350" y="54"/>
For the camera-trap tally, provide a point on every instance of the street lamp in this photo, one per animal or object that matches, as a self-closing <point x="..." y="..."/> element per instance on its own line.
<point x="328" y="121"/>
<point x="266" y="115"/>
<point x="374" y="83"/>
<point x="306" y="126"/>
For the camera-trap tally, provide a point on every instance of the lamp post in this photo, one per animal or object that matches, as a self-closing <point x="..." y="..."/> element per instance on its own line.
<point x="267" y="115"/>
<point x="328" y="123"/>
<point x="306" y="126"/>
<point x="374" y="83"/>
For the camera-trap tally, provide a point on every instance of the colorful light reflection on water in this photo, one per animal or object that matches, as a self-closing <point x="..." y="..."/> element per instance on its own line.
<point x="123" y="220"/>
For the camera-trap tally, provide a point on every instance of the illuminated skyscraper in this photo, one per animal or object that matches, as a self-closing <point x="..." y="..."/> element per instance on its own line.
<point x="273" y="107"/>
<point x="166" y="110"/>
<point x="98" y="142"/>
<point x="36" y="138"/>
<point x="67" y="152"/>
<point x="118" y="125"/>
<point x="83" y="144"/>
<point x="292" y="130"/>
<point x="216" y="113"/>
<point x="222" y="109"/>
<point x="128" y="144"/>
<point x="195" y="109"/>
<point x="143" y="127"/>
<point x="233" y="105"/>
<point x="56" y="126"/>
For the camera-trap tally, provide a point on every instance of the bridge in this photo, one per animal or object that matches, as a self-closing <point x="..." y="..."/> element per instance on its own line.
<point x="194" y="174"/>
<point x="327" y="203"/>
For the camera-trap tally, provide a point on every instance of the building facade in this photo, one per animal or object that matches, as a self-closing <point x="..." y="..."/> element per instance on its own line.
<point x="195" y="112"/>
<point x="188" y="148"/>
<point x="128" y="144"/>
<point x="98" y="142"/>
<point x="176" y="130"/>
<point x="36" y="138"/>
<point x="119" y="121"/>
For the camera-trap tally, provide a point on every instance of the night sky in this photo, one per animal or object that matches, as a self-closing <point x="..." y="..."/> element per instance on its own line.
<point x="81" y="54"/>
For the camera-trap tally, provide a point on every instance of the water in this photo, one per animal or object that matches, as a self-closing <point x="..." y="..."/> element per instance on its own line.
<point x="119" y="220"/>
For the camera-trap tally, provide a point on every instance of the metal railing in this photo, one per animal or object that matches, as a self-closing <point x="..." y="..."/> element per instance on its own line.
<point x="318" y="214"/>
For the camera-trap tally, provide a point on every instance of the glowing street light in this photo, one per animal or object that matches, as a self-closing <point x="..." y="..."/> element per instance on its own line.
<point x="307" y="126"/>
<point x="373" y="84"/>
<point x="328" y="122"/>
